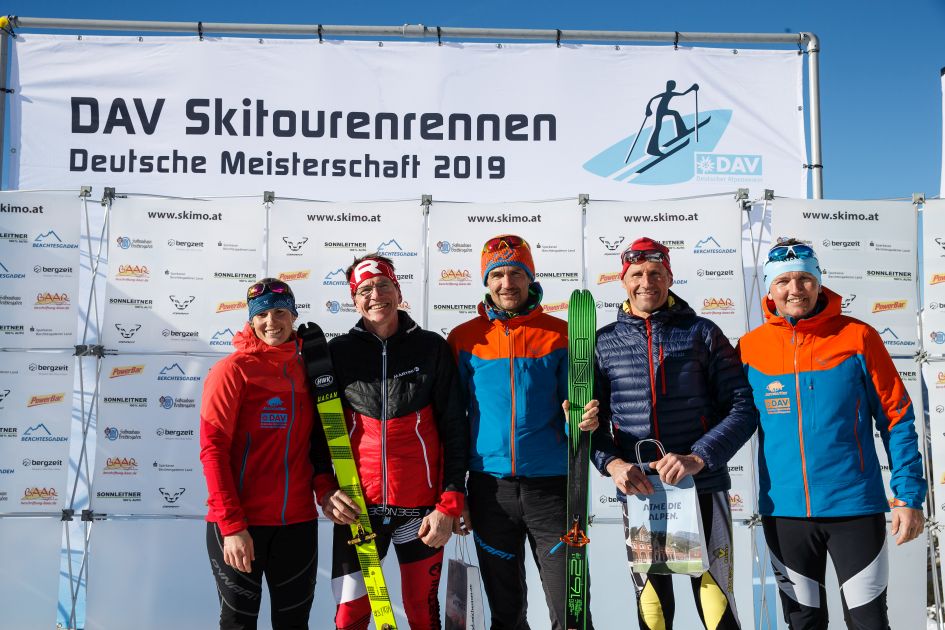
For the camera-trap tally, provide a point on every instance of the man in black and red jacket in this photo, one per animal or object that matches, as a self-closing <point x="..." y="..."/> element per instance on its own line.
<point x="409" y="436"/>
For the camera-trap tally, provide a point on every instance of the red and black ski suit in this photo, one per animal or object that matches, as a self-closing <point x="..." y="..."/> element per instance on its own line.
<point x="409" y="436"/>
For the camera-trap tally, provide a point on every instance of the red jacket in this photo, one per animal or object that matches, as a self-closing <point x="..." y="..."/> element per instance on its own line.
<point x="256" y="421"/>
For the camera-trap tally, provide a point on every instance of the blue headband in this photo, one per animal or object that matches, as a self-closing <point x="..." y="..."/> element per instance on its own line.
<point x="774" y="268"/>
<point x="270" y="300"/>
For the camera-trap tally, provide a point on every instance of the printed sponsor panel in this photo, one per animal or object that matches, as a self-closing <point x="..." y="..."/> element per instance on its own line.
<point x="458" y="232"/>
<point x="704" y="239"/>
<point x="39" y="269"/>
<point x="178" y="272"/>
<point x="867" y="253"/>
<point x="472" y="129"/>
<point x="35" y="412"/>
<point x="148" y="436"/>
<point x="311" y="244"/>
<point x="934" y="375"/>
<point x="933" y="280"/>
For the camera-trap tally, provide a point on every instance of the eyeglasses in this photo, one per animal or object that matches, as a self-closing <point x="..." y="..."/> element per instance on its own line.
<point x="634" y="257"/>
<point x="781" y="253"/>
<point x="508" y="241"/>
<point x="268" y="286"/>
<point x="380" y="287"/>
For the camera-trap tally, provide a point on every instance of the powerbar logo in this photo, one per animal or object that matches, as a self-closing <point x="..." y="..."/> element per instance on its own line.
<point x="890" y="305"/>
<point x="46" y="399"/>
<point x="289" y="276"/>
<point x="127" y="370"/>
<point x="937" y="278"/>
<point x="135" y="302"/>
<point x="604" y="278"/>
<point x="889" y="275"/>
<point x="232" y="275"/>
<point x="555" y="307"/>
<point x="226" y="307"/>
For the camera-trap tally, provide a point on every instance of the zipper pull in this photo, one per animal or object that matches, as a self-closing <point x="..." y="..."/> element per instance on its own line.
<point x="506" y="328"/>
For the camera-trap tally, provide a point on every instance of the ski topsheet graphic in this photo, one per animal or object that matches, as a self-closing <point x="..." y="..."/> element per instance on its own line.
<point x="321" y="378"/>
<point x="582" y="330"/>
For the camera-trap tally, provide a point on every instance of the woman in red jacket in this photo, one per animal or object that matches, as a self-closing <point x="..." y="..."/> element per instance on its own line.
<point x="256" y="446"/>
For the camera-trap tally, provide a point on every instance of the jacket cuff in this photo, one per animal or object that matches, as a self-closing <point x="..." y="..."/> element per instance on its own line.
<point x="706" y="458"/>
<point x="228" y="528"/>
<point x="324" y="485"/>
<point x="451" y="503"/>
<point x="913" y="503"/>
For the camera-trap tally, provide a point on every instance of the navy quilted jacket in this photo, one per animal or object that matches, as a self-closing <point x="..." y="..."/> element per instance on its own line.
<point x="674" y="377"/>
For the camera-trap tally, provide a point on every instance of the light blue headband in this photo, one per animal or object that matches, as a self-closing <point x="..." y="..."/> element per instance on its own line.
<point x="774" y="268"/>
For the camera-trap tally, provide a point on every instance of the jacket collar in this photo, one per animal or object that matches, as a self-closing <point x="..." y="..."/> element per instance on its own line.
<point x="675" y="307"/>
<point x="246" y="342"/>
<point x="514" y="322"/>
<point x="405" y="326"/>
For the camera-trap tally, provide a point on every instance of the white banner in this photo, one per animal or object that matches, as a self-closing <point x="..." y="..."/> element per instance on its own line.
<point x="934" y="375"/>
<point x="868" y="254"/>
<point x="178" y="272"/>
<point x="29" y="582"/>
<point x="312" y="243"/>
<point x="147" y="458"/>
<point x="704" y="238"/>
<point x="35" y="413"/>
<point x="459" y="230"/>
<point x="933" y="282"/>
<point x="352" y="120"/>
<point x="39" y="269"/>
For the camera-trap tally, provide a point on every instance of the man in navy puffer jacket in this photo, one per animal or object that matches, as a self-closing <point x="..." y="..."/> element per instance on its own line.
<point x="664" y="373"/>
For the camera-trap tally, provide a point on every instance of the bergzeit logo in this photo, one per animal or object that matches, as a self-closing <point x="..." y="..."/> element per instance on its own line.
<point x="662" y="154"/>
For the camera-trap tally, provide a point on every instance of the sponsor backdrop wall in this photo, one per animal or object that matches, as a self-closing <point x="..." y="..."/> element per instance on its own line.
<point x="175" y="272"/>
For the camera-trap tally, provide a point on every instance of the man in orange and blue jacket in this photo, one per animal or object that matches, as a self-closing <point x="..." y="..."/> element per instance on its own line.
<point x="820" y="380"/>
<point x="513" y="369"/>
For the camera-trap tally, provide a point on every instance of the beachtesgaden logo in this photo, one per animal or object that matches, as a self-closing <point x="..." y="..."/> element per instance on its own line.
<point x="393" y="248"/>
<point x="670" y="147"/>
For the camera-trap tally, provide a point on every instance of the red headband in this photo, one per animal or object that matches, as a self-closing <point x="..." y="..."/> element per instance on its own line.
<point x="370" y="268"/>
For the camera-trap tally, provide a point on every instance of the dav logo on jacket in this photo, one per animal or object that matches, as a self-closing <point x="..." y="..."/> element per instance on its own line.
<point x="776" y="398"/>
<point x="273" y="415"/>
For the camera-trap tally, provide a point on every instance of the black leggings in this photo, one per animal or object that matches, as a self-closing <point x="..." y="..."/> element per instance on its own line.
<point x="288" y="556"/>
<point x="857" y="546"/>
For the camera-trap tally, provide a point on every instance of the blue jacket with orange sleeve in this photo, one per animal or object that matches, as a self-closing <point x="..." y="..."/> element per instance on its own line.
<point x="819" y="384"/>
<point x="514" y="373"/>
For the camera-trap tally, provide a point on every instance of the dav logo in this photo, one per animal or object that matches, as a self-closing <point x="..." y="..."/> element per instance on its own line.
<point x="671" y="147"/>
<point x="274" y="414"/>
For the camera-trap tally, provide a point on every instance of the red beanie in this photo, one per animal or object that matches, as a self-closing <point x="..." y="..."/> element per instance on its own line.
<point x="646" y="244"/>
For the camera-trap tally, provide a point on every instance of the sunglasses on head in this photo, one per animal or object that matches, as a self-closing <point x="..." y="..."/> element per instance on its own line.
<point x="780" y="253"/>
<point x="508" y="241"/>
<point x="268" y="286"/>
<point x="633" y="256"/>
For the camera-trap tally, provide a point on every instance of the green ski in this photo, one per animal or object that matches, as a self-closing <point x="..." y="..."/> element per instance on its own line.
<point x="582" y="333"/>
<point x="324" y="389"/>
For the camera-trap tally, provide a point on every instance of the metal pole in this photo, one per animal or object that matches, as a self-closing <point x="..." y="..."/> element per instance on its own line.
<point x="813" y="77"/>
<point x="4" y="62"/>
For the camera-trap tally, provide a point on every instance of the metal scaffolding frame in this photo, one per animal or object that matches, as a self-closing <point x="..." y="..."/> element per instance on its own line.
<point x="805" y="42"/>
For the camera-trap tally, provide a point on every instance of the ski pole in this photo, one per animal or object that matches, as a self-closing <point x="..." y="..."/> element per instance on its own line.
<point x="697" y="114"/>
<point x="632" y="146"/>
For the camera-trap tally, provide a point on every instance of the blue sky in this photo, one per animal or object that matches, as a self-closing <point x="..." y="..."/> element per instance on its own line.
<point x="880" y="63"/>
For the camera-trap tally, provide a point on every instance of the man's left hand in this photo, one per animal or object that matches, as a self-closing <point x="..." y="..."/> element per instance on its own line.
<point x="673" y="468"/>
<point x="907" y="522"/>
<point x="589" y="420"/>
<point x="436" y="529"/>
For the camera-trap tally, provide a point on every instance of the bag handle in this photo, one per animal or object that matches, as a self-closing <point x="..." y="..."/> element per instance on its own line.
<point x="636" y="450"/>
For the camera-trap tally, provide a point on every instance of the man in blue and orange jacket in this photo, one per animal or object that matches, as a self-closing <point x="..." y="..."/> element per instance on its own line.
<point x="513" y="368"/>
<point x="820" y="380"/>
